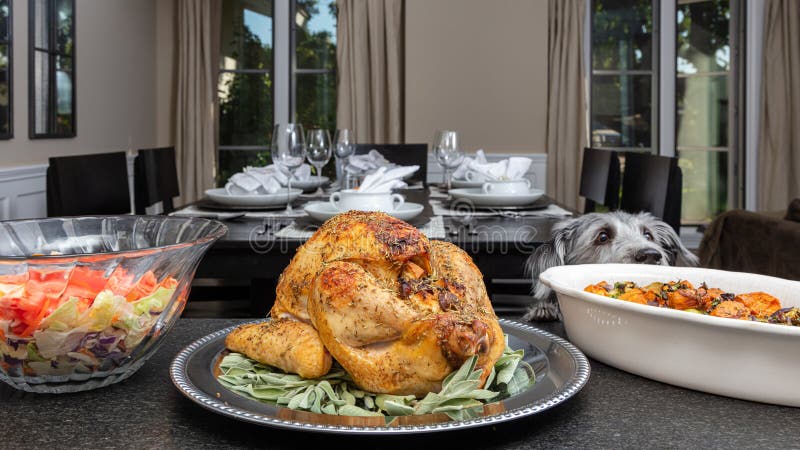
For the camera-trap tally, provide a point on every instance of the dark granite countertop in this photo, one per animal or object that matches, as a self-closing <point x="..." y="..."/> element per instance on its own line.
<point x="615" y="409"/>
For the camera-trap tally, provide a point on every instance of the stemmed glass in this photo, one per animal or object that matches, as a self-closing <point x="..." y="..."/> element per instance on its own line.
<point x="343" y="146"/>
<point x="318" y="152"/>
<point x="447" y="151"/>
<point x="288" y="153"/>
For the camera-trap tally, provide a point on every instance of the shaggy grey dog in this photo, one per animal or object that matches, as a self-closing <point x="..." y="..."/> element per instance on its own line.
<point x="615" y="237"/>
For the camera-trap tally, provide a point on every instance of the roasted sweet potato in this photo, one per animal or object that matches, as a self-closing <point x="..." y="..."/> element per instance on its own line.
<point x="760" y="304"/>
<point x="683" y="299"/>
<point x="731" y="309"/>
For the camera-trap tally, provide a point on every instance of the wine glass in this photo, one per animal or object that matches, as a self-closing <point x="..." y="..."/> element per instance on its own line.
<point x="343" y="146"/>
<point x="318" y="152"/>
<point x="448" y="152"/>
<point x="288" y="153"/>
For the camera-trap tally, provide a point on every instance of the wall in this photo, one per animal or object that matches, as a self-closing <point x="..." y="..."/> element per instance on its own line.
<point x="117" y="103"/>
<point x="479" y="67"/>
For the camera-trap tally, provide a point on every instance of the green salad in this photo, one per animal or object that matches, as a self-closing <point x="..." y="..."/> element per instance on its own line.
<point x="461" y="397"/>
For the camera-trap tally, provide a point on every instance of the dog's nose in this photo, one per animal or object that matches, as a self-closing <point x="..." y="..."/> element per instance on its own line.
<point x="647" y="256"/>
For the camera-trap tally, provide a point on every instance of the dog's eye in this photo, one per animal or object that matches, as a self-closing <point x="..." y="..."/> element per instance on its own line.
<point x="602" y="238"/>
<point x="648" y="235"/>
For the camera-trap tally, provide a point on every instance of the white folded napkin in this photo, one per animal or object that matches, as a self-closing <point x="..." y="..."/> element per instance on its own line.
<point x="365" y="163"/>
<point x="263" y="180"/>
<point x="461" y="171"/>
<point x="384" y="180"/>
<point x="513" y="168"/>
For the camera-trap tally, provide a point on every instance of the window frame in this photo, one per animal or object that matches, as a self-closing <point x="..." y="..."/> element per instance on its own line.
<point x="9" y="43"/>
<point x="654" y="72"/>
<point x="665" y="122"/>
<point x="250" y="148"/>
<point x="52" y="53"/>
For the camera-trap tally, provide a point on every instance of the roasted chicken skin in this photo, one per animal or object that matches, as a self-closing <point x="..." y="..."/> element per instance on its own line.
<point x="397" y="311"/>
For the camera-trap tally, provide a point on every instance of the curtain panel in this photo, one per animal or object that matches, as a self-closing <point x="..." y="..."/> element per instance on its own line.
<point x="196" y="110"/>
<point x="779" y="140"/>
<point x="566" y="113"/>
<point x="370" y="57"/>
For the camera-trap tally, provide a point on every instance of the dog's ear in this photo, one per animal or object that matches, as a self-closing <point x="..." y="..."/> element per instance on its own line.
<point x="550" y="254"/>
<point x="669" y="240"/>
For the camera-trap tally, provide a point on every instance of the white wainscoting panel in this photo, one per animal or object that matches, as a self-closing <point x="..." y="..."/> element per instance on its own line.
<point x="23" y="192"/>
<point x="537" y="172"/>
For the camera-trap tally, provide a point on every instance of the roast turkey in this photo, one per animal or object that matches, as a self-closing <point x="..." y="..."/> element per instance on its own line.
<point x="397" y="311"/>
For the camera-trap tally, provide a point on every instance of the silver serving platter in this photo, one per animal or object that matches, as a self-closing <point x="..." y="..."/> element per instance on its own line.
<point x="561" y="371"/>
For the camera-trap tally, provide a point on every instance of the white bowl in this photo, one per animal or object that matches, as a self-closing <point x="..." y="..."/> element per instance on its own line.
<point x="221" y="196"/>
<point x="736" y="358"/>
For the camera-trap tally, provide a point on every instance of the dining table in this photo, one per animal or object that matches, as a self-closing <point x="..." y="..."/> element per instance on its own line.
<point x="614" y="409"/>
<point x="257" y="247"/>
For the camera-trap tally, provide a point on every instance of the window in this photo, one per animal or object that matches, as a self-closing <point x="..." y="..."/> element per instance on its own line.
<point x="703" y="89"/>
<point x="6" y="127"/>
<point x="626" y="69"/>
<point x="52" y="68"/>
<point x="245" y="86"/>
<point x="256" y="50"/>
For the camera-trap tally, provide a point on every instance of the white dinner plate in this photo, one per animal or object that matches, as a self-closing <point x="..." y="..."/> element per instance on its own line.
<point x="736" y="358"/>
<point x="456" y="183"/>
<point x="220" y="195"/>
<point x="479" y="198"/>
<point x="323" y="211"/>
<point x="311" y="183"/>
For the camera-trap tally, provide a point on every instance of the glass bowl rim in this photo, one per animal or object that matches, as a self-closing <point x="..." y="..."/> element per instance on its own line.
<point x="221" y="230"/>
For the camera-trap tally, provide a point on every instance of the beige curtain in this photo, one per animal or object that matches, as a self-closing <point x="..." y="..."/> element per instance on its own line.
<point x="779" y="141"/>
<point x="566" y="115"/>
<point x="195" y="111"/>
<point x="370" y="59"/>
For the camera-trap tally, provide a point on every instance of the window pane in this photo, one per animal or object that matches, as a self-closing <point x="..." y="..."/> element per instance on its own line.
<point x="621" y="111"/>
<point x="705" y="185"/>
<point x="704" y="36"/>
<point x="63" y="103"/>
<point x="3" y="57"/>
<point x="41" y="28"/>
<point x="702" y="115"/>
<point x="64" y="24"/>
<point x="315" y="34"/>
<point x="622" y="34"/>
<point x="245" y="105"/>
<point x="4" y="13"/>
<point x="41" y="92"/>
<point x="246" y="35"/>
<point x="315" y="100"/>
<point x="5" y="116"/>
<point x="232" y="161"/>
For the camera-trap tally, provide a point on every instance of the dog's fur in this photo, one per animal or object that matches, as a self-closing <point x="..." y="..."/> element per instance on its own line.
<point x="578" y="241"/>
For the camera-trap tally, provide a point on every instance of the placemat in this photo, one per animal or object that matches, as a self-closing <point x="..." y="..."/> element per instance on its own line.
<point x="551" y="210"/>
<point x="194" y="211"/>
<point x="434" y="229"/>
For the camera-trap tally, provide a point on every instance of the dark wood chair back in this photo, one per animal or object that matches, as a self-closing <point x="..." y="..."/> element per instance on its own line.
<point x="600" y="179"/>
<point x="88" y="185"/>
<point x="402" y="155"/>
<point x="155" y="179"/>
<point x="652" y="183"/>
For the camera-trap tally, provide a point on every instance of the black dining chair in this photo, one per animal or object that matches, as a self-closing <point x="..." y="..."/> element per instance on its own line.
<point x="653" y="184"/>
<point x="600" y="179"/>
<point x="402" y="155"/>
<point x="155" y="179"/>
<point x="88" y="185"/>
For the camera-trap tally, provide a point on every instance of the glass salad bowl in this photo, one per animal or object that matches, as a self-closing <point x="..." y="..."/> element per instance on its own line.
<point x="84" y="301"/>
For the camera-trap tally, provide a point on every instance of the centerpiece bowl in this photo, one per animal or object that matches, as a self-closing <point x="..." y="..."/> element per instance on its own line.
<point x="85" y="301"/>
